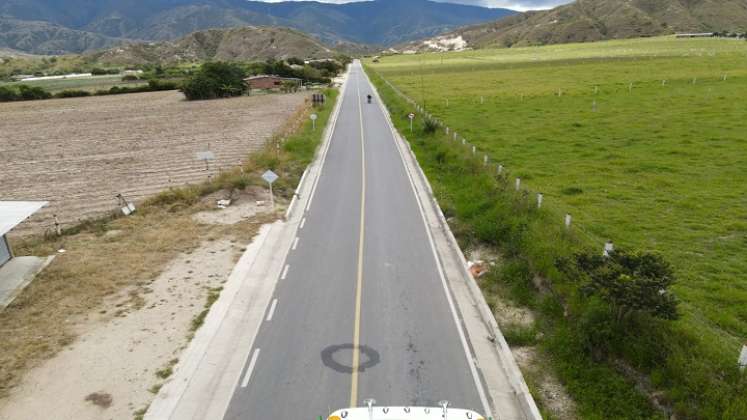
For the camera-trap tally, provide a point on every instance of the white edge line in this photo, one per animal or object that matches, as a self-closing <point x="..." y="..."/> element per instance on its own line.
<point x="452" y="307"/>
<point x="295" y="243"/>
<point x="272" y="310"/>
<point x="248" y="374"/>
<point x="285" y="272"/>
<point x="303" y="222"/>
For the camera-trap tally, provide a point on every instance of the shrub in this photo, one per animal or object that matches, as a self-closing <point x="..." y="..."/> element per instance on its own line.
<point x="429" y="126"/>
<point x="72" y="94"/>
<point x="215" y="80"/>
<point x="96" y="71"/>
<point x="8" y="94"/>
<point x="629" y="282"/>
<point x="130" y="78"/>
<point x="30" y="93"/>
<point x="158" y="85"/>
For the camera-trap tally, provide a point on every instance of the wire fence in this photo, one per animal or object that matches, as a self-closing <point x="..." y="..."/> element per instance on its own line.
<point x="568" y="219"/>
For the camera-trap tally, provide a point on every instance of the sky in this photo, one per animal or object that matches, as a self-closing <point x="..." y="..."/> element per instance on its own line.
<point x="521" y="5"/>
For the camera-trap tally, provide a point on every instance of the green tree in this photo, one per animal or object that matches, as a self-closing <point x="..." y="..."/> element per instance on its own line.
<point x="215" y="80"/>
<point x="629" y="282"/>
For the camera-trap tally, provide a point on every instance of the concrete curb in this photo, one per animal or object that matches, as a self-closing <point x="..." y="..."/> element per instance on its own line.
<point x="520" y="388"/>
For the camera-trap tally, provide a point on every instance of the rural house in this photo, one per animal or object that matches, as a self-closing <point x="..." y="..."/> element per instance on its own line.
<point x="270" y="81"/>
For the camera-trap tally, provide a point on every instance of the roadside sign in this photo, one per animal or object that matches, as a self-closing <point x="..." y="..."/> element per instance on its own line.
<point x="206" y="156"/>
<point x="411" y="116"/>
<point x="313" y="120"/>
<point x="270" y="177"/>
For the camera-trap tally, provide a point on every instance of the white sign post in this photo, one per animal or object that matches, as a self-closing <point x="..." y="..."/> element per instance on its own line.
<point x="411" y="116"/>
<point x="270" y="177"/>
<point x="313" y="121"/>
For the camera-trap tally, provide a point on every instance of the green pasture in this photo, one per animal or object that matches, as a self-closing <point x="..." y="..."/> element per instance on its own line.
<point x="643" y="142"/>
<point x="90" y="84"/>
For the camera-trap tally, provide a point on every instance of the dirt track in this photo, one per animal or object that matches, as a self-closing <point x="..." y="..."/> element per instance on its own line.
<point x="78" y="154"/>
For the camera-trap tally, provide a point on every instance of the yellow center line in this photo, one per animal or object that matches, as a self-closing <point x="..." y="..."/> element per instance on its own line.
<point x="359" y="285"/>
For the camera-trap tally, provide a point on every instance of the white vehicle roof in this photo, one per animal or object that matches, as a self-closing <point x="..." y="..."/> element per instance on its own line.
<point x="404" y="413"/>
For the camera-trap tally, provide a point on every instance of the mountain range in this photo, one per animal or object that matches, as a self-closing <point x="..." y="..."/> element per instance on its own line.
<point x="247" y="43"/>
<point x="594" y="20"/>
<point x="64" y="26"/>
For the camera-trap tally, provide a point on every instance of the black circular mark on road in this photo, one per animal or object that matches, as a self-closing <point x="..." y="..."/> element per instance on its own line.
<point x="368" y="358"/>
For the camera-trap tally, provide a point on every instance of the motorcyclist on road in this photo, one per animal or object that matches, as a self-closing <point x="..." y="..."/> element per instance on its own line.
<point x="369" y="99"/>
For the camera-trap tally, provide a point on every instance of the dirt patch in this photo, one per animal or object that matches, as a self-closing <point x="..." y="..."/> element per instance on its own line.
<point x="242" y="206"/>
<point x="97" y="340"/>
<point x="79" y="153"/>
<point x="547" y="388"/>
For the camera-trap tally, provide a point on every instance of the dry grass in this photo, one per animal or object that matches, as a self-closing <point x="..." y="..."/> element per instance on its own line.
<point x="100" y="262"/>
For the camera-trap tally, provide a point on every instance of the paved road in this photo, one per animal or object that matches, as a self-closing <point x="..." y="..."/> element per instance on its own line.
<point x="362" y="275"/>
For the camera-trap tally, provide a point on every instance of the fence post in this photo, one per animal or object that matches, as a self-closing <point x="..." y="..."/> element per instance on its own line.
<point x="518" y="184"/>
<point x="568" y="220"/>
<point x="609" y="247"/>
<point x="539" y="200"/>
<point x="485" y="160"/>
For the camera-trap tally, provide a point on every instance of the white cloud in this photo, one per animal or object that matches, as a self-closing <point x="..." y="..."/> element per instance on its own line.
<point x="521" y="5"/>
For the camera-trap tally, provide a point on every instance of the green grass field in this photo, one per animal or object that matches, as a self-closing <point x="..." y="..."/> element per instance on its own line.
<point x="90" y="84"/>
<point x="643" y="141"/>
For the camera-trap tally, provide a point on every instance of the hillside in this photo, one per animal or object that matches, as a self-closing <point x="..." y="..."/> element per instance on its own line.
<point x="594" y="20"/>
<point x="54" y="26"/>
<point x="37" y="37"/>
<point x="243" y="44"/>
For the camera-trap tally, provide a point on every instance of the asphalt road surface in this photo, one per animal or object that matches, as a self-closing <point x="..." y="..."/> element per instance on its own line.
<point x="361" y="288"/>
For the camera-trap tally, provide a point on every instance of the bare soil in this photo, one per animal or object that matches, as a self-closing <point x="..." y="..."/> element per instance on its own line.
<point x="79" y="153"/>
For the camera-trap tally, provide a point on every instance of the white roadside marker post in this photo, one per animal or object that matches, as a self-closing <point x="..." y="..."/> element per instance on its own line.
<point x="609" y="248"/>
<point x="540" y="197"/>
<point x="500" y="169"/>
<point x="313" y="121"/>
<point x="743" y="358"/>
<point x="518" y="184"/>
<point x="568" y="220"/>
<point x="411" y="116"/>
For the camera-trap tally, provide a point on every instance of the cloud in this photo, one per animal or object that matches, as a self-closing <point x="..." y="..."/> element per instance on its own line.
<point x="521" y="5"/>
<point x="513" y="4"/>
